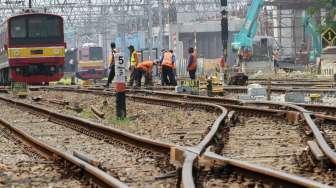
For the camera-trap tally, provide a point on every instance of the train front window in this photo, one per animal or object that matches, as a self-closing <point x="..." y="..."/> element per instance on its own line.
<point x="19" y="28"/>
<point x="96" y="53"/>
<point x="43" y="27"/>
<point x="39" y="29"/>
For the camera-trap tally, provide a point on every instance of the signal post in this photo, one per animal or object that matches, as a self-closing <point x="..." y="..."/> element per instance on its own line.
<point x="120" y="73"/>
<point x="225" y="36"/>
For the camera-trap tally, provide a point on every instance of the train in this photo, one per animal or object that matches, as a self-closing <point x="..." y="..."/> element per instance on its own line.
<point x="32" y="48"/>
<point x="91" y="64"/>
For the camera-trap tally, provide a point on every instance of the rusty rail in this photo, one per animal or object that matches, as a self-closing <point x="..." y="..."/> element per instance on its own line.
<point x="326" y="109"/>
<point x="51" y="153"/>
<point x="265" y="173"/>
<point x="190" y="156"/>
<point x="316" y="132"/>
<point x="103" y="130"/>
<point x="134" y="139"/>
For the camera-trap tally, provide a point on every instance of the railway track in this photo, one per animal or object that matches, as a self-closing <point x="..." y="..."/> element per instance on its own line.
<point x="182" y="124"/>
<point x="280" y="143"/>
<point x="319" y="84"/>
<point x="127" y="161"/>
<point x="316" y="108"/>
<point x="283" y="90"/>
<point x="26" y="161"/>
<point x="294" y="80"/>
<point x="21" y="166"/>
<point x="219" y="171"/>
<point x="273" y="142"/>
<point x="265" y="113"/>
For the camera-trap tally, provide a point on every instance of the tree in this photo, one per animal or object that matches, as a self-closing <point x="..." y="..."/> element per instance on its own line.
<point x="329" y="20"/>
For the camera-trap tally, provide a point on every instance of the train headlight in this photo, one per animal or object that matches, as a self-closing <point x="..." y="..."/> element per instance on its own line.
<point x="52" y="68"/>
<point x="17" y="69"/>
<point x="56" y="51"/>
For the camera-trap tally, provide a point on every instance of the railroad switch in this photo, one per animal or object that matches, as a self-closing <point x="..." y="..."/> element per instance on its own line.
<point x="316" y="151"/>
<point x="207" y="163"/>
<point x="293" y="117"/>
<point x="316" y="157"/>
<point x="233" y="119"/>
<point x="177" y="156"/>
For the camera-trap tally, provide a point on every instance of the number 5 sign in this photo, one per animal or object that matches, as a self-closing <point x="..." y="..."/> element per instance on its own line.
<point x="120" y="72"/>
<point x="120" y="88"/>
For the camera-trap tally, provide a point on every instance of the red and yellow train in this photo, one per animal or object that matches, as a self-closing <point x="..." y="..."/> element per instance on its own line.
<point x="91" y="63"/>
<point x="32" y="49"/>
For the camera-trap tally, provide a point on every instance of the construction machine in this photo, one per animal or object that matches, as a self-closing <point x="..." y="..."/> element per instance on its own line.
<point x="242" y="44"/>
<point x="316" y="47"/>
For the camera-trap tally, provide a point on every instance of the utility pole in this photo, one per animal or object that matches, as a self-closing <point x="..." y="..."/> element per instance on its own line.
<point x="225" y="36"/>
<point x="161" y="25"/>
<point x="150" y="29"/>
<point x="225" y="28"/>
<point x="30" y="4"/>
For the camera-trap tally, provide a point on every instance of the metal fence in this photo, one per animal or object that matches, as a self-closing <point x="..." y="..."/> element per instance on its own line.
<point x="181" y="67"/>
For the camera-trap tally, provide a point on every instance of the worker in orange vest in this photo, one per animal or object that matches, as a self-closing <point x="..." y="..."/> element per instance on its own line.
<point x="145" y="68"/>
<point x="168" y="66"/>
<point x="222" y="62"/>
<point x="192" y="64"/>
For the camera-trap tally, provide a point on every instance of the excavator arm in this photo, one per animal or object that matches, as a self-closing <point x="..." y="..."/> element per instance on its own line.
<point x="243" y="42"/>
<point x="244" y="39"/>
<point x="311" y="27"/>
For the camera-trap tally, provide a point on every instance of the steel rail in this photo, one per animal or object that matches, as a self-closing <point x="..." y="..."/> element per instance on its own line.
<point x="315" y="130"/>
<point x="191" y="155"/>
<point x="295" y="84"/>
<point x="137" y="140"/>
<point x="290" y="80"/>
<point x="307" y="115"/>
<point x="275" y="176"/>
<point x="51" y="153"/>
<point x="106" y="131"/>
<point x="319" y="138"/>
<point x="326" y="109"/>
<point x="243" y="89"/>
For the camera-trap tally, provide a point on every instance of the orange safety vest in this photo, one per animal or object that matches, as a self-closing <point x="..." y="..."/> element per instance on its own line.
<point x="147" y="66"/>
<point x="193" y="65"/>
<point x="168" y="59"/>
<point x="222" y="62"/>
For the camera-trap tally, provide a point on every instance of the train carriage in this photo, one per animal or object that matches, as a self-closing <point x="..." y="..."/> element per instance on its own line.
<point x="32" y="48"/>
<point x="91" y="63"/>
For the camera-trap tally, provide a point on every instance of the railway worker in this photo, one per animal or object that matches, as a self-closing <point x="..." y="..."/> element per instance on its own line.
<point x="167" y="66"/>
<point x="160" y="69"/>
<point x="134" y="61"/>
<point x="276" y="59"/>
<point x="222" y="68"/>
<point x="174" y="59"/>
<point x="145" y="68"/>
<point x="112" y="65"/>
<point x="192" y="63"/>
<point x="222" y="63"/>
